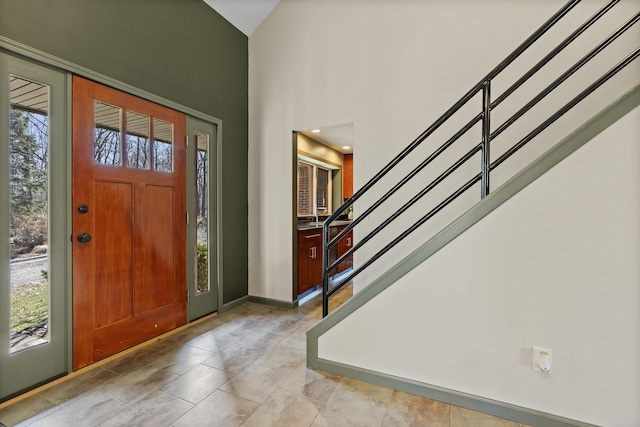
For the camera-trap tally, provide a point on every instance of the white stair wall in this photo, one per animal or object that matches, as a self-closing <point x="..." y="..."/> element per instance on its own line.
<point x="555" y="266"/>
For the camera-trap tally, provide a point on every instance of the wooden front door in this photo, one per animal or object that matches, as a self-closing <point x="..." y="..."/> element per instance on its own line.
<point x="129" y="221"/>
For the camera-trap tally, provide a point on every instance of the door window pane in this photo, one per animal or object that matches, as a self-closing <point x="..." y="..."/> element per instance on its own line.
<point x="202" y="212"/>
<point x="137" y="140"/>
<point x="106" y="143"/>
<point x="28" y="213"/>
<point x="162" y="145"/>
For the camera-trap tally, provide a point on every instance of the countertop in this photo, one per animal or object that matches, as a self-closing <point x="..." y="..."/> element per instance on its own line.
<point x="318" y="224"/>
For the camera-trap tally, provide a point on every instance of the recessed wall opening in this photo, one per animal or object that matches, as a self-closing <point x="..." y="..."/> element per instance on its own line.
<point x="323" y="180"/>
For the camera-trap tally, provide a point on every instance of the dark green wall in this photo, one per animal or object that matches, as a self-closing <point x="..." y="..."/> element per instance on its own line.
<point x="180" y="50"/>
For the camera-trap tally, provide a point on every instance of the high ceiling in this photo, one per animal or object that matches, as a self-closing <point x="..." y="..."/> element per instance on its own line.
<point x="245" y="15"/>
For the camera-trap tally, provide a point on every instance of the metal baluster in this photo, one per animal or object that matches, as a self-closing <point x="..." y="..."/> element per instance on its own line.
<point x="486" y="137"/>
<point x="325" y="267"/>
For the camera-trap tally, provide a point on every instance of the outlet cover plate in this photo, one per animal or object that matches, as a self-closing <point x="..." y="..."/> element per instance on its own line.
<point x="536" y="354"/>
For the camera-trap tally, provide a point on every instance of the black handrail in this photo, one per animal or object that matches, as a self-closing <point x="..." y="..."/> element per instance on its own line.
<point x="404" y="208"/>
<point x="507" y="61"/>
<point x="484" y="87"/>
<point x="411" y="229"/>
<point x="557" y="82"/>
<point x="526" y="76"/>
<point x="406" y="179"/>
<point x="568" y="106"/>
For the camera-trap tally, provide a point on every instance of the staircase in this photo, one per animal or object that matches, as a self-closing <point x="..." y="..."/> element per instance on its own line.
<point x="465" y="181"/>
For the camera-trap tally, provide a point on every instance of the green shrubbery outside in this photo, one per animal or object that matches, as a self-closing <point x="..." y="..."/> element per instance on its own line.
<point x="202" y="283"/>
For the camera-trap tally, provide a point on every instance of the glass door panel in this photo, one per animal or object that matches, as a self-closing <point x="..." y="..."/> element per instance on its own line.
<point x="202" y="230"/>
<point x="202" y="212"/>
<point x="137" y="140"/>
<point x="33" y="226"/>
<point x="107" y="131"/>
<point x="162" y="145"/>
<point x="28" y="213"/>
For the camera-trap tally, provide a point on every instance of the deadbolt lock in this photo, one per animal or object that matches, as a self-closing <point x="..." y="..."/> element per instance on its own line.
<point x="84" y="237"/>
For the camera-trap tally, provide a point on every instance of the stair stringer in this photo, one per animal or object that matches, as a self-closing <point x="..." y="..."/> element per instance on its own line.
<point x="544" y="163"/>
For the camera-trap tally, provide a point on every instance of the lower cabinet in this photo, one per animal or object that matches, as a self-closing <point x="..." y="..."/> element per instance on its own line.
<point x="344" y="245"/>
<point x="309" y="259"/>
<point x="310" y="256"/>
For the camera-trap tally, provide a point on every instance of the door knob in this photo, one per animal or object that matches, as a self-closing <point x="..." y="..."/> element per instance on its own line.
<point x="84" y="237"/>
<point x="83" y="209"/>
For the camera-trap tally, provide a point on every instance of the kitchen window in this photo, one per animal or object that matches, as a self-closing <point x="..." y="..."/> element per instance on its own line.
<point x="314" y="189"/>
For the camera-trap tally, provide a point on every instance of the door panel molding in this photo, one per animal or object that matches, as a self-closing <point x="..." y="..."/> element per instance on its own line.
<point x="113" y="206"/>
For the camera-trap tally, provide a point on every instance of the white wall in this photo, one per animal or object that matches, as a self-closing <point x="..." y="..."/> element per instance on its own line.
<point x="390" y="68"/>
<point x="556" y="266"/>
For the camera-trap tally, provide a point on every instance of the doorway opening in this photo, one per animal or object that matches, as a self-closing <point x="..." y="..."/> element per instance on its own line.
<point x="323" y="180"/>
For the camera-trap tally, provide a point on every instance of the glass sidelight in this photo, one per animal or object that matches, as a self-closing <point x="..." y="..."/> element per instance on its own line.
<point x="202" y="228"/>
<point x="34" y="200"/>
<point x="28" y="213"/>
<point x="202" y="212"/>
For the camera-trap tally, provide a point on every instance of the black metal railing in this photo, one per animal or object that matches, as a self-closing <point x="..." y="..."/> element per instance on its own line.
<point x="483" y="117"/>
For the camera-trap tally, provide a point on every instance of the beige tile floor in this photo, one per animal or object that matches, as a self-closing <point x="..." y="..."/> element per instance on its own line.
<point x="245" y="367"/>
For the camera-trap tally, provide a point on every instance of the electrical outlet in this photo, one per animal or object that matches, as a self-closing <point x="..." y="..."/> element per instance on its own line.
<point x="542" y="360"/>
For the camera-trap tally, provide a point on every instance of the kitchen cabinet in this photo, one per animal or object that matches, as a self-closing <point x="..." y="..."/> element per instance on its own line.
<point x="309" y="259"/>
<point x="333" y="250"/>
<point x="310" y="255"/>
<point x="347" y="179"/>
<point x="344" y="245"/>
